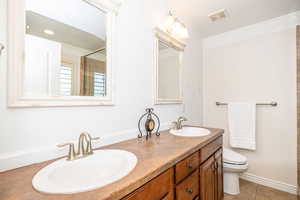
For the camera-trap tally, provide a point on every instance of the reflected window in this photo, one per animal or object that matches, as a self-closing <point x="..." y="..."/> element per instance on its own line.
<point x="99" y="84"/>
<point x="65" y="80"/>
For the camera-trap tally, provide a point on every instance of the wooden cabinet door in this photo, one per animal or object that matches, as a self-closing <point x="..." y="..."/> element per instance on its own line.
<point x="208" y="179"/>
<point x="219" y="175"/>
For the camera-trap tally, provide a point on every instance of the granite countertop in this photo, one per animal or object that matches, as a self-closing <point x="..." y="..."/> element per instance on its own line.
<point x="154" y="157"/>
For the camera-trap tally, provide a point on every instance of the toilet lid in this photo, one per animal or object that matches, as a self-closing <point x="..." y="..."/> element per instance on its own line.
<point x="232" y="157"/>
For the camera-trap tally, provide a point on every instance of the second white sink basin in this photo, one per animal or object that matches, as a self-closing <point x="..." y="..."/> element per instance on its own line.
<point x="85" y="174"/>
<point x="190" y="132"/>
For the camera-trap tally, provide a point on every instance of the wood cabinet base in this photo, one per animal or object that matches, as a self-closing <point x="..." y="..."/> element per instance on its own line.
<point x="198" y="176"/>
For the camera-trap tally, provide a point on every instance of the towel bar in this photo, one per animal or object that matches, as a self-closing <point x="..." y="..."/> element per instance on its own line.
<point x="273" y="103"/>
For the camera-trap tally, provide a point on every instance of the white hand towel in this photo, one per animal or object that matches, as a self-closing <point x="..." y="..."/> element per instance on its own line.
<point x="242" y="125"/>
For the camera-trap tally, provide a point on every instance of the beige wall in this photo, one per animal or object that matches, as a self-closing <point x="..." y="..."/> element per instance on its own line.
<point x="255" y="64"/>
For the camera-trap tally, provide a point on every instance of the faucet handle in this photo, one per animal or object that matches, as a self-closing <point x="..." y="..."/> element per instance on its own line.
<point x="89" y="136"/>
<point x="65" y="144"/>
<point x="71" y="155"/>
<point x="174" y="125"/>
<point x="90" y="149"/>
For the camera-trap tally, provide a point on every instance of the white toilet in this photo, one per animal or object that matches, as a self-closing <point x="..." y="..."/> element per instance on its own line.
<point x="233" y="164"/>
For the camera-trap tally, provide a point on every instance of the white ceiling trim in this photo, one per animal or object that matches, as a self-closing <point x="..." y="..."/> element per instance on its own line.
<point x="270" y="26"/>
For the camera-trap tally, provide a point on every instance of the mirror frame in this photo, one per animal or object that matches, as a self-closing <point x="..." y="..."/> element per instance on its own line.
<point x="16" y="60"/>
<point x="173" y="43"/>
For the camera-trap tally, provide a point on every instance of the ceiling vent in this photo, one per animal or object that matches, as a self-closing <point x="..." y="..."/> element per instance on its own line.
<point x="218" y="15"/>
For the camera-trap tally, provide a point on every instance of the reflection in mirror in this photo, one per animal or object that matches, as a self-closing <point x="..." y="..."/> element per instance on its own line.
<point x="65" y="49"/>
<point x="169" y="63"/>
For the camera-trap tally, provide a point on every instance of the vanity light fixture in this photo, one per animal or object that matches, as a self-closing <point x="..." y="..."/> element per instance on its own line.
<point x="176" y="28"/>
<point x="49" y="32"/>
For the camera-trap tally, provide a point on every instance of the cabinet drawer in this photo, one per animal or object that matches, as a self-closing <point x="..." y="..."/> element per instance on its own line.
<point x="186" y="166"/>
<point x="159" y="188"/>
<point x="189" y="188"/>
<point x="209" y="149"/>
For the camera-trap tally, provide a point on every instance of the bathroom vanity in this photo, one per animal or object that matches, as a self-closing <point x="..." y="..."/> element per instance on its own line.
<point x="169" y="167"/>
<point x="197" y="176"/>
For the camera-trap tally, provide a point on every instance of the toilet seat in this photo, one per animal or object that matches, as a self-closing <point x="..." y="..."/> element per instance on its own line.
<point x="233" y="158"/>
<point x="235" y="168"/>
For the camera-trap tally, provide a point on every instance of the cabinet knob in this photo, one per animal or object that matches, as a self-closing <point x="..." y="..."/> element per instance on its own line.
<point x="190" y="166"/>
<point x="190" y="191"/>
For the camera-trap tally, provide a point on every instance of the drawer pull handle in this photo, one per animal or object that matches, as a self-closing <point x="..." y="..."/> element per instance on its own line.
<point x="190" y="191"/>
<point x="190" y="166"/>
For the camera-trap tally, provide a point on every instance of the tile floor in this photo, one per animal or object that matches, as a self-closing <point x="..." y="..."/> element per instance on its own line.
<point x="252" y="191"/>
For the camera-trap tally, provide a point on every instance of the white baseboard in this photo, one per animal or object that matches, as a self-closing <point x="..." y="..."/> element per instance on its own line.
<point x="270" y="183"/>
<point x="18" y="159"/>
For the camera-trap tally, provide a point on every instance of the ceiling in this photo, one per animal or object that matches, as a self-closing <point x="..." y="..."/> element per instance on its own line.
<point x="63" y="32"/>
<point x="77" y="14"/>
<point x="194" y="13"/>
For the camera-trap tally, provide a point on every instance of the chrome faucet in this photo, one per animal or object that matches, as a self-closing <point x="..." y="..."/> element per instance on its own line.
<point x="178" y="123"/>
<point x="84" y="147"/>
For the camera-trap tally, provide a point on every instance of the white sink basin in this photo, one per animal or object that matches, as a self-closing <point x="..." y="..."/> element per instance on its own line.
<point x="85" y="174"/>
<point x="190" y="132"/>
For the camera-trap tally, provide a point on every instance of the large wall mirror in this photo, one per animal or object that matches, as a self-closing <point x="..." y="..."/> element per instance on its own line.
<point x="67" y="52"/>
<point x="168" y="69"/>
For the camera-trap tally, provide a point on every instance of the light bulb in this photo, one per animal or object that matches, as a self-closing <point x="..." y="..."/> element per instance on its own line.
<point x="169" y="23"/>
<point x="184" y="32"/>
<point x="176" y="29"/>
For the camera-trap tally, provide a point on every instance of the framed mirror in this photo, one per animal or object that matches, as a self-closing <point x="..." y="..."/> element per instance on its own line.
<point x="60" y="52"/>
<point x="168" y="69"/>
